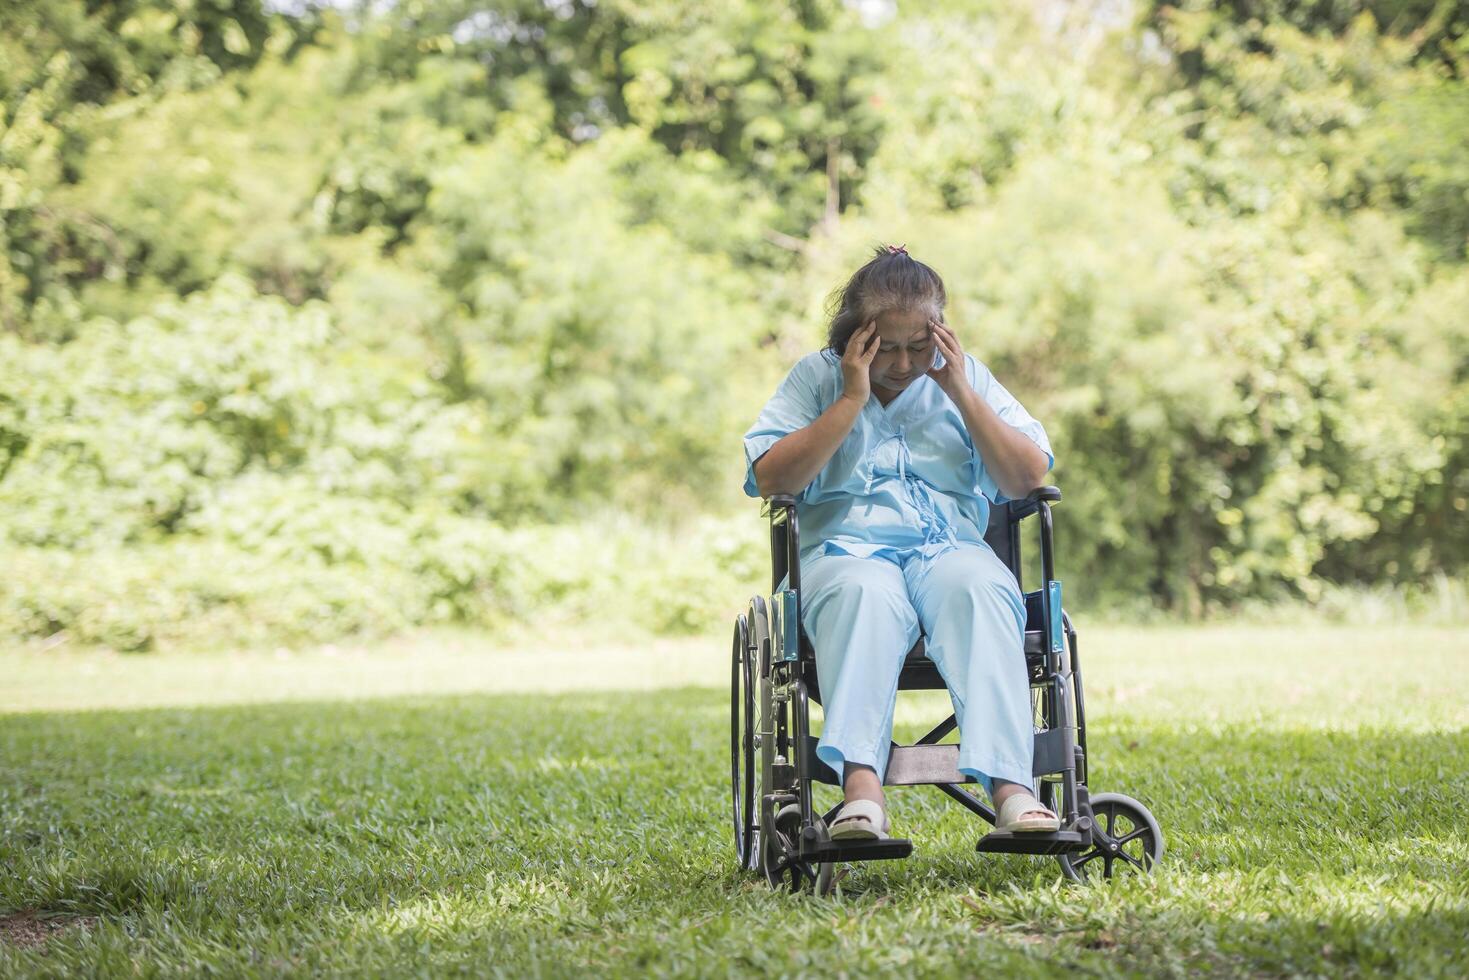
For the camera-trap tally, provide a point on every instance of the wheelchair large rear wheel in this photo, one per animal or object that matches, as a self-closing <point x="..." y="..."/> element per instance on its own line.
<point x="742" y="746"/>
<point x="1126" y="839"/>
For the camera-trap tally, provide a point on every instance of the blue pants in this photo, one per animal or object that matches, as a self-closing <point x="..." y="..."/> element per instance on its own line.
<point x="863" y="615"/>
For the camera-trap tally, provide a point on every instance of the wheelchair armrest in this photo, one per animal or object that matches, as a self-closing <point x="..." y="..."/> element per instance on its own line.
<point x="1030" y="503"/>
<point x="785" y="539"/>
<point x="778" y="500"/>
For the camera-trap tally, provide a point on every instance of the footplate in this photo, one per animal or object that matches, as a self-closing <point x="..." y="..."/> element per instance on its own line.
<point x="1004" y="842"/>
<point x="857" y="850"/>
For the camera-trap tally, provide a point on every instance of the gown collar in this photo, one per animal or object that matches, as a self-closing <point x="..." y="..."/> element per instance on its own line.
<point x="893" y="410"/>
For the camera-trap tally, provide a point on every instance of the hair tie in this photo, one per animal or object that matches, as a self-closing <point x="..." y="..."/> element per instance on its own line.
<point x="895" y="249"/>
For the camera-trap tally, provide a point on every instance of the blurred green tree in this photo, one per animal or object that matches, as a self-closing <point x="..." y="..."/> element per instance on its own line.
<point x="354" y="317"/>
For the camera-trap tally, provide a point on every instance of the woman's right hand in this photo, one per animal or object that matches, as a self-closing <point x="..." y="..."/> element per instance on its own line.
<point x="861" y="349"/>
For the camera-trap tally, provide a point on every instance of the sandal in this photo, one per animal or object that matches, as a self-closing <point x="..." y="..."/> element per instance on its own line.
<point x="860" y="820"/>
<point x="1011" y="816"/>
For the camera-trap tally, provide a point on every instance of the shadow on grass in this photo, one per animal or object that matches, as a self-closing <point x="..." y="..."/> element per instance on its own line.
<point x="580" y="822"/>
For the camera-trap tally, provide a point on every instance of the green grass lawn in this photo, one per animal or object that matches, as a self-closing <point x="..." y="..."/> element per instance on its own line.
<point x="439" y="805"/>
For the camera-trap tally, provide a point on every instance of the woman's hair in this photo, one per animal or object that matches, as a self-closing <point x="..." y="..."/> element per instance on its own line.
<point x="891" y="280"/>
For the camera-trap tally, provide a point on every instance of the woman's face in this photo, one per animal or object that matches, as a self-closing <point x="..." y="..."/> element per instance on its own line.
<point x="905" y="349"/>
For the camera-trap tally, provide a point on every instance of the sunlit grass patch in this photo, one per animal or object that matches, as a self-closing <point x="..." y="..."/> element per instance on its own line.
<point x="528" y="832"/>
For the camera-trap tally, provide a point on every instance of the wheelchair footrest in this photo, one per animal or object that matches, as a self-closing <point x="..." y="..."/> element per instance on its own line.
<point x="1004" y="842"/>
<point x="859" y="850"/>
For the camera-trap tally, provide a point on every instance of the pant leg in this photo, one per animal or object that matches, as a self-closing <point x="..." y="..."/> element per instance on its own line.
<point x="857" y="613"/>
<point x="974" y="617"/>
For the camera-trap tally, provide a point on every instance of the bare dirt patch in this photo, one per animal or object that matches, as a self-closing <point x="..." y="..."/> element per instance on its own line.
<point x="29" y="930"/>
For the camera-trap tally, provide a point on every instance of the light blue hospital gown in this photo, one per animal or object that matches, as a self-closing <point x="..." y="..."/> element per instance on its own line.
<point x="892" y="541"/>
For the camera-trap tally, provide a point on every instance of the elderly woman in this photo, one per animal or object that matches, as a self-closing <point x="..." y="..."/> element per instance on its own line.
<point x="894" y="442"/>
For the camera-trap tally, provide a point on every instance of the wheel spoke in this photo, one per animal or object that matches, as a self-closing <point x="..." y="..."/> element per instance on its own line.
<point x="1083" y="860"/>
<point x="1132" y="836"/>
<point x="1133" y="861"/>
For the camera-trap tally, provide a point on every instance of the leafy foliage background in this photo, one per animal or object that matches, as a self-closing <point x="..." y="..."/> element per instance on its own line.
<point x="318" y="319"/>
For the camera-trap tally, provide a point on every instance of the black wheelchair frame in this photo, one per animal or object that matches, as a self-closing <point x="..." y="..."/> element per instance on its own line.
<point x="773" y="681"/>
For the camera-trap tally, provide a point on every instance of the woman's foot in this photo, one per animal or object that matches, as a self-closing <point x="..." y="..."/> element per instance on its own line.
<point x="864" y="814"/>
<point x="860" y="820"/>
<point x="1019" y="812"/>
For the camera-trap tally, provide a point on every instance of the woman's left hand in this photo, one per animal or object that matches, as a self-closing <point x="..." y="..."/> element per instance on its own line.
<point x="951" y="376"/>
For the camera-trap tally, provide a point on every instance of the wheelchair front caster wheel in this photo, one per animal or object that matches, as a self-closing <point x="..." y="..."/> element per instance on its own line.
<point x="778" y="849"/>
<point x="1125" y="838"/>
<point x="826" y="878"/>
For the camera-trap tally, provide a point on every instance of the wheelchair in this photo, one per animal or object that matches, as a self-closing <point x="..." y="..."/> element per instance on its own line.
<point x="777" y="831"/>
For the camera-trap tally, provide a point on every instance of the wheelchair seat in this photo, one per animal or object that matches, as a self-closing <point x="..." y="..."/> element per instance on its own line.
<point x="920" y="673"/>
